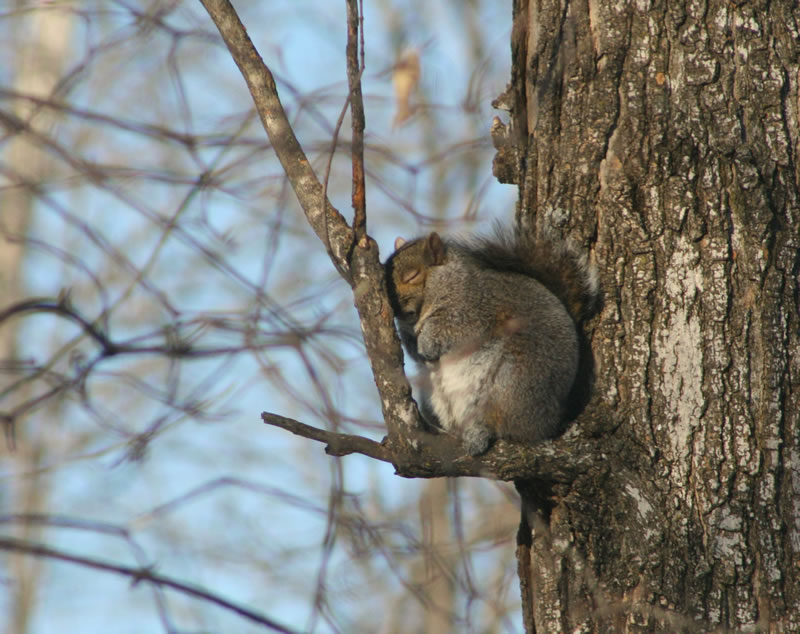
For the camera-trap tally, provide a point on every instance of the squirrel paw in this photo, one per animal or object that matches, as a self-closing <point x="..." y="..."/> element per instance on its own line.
<point x="477" y="439"/>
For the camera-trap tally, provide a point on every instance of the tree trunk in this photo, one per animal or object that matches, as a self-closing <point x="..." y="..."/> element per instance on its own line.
<point x="664" y="136"/>
<point x="38" y="67"/>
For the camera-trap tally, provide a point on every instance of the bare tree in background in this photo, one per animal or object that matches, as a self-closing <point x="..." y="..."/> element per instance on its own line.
<point x="164" y="287"/>
<point x="663" y="137"/>
<point x="37" y="66"/>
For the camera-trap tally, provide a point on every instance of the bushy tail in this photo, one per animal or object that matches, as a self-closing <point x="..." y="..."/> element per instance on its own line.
<point x="559" y="265"/>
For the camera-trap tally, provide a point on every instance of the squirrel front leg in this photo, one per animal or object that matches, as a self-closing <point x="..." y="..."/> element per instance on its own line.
<point x="434" y="337"/>
<point x="441" y="334"/>
<point x="458" y="395"/>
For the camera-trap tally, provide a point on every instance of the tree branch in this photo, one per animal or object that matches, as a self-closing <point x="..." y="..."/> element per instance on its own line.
<point x="321" y="215"/>
<point x="426" y="455"/>
<point x="357" y="260"/>
<point x="354" y="70"/>
<point x="175" y="346"/>
<point x="140" y="574"/>
<point x="337" y="444"/>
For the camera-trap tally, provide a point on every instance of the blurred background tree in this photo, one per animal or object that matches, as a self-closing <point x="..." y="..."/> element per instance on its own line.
<point x="159" y="287"/>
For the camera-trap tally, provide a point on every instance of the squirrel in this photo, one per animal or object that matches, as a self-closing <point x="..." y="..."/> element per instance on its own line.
<point x="494" y="324"/>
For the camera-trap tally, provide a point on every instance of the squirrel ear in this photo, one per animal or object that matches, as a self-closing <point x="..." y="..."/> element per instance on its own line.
<point x="398" y="242"/>
<point x="436" y="247"/>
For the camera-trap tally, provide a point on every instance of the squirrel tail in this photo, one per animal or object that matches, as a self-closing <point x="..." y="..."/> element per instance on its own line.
<point x="558" y="264"/>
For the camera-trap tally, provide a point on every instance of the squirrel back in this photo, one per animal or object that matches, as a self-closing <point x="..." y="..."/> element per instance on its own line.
<point x="557" y="264"/>
<point x="494" y="324"/>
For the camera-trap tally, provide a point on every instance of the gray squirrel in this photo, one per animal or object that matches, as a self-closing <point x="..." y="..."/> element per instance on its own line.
<point x="494" y="324"/>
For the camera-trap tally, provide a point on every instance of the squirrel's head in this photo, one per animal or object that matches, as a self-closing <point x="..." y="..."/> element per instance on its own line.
<point x="407" y="271"/>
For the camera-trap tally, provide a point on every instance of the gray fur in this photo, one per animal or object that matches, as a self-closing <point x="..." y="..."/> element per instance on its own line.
<point x="499" y="351"/>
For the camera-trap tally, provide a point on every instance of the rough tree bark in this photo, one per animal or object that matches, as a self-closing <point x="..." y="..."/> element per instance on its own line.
<point x="664" y="135"/>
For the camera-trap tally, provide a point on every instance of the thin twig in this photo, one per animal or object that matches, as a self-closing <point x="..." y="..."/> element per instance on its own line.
<point x="323" y="218"/>
<point x="174" y="347"/>
<point x="138" y="575"/>
<point x="354" y="70"/>
<point x="334" y="142"/>
<point x="337" y="444"/>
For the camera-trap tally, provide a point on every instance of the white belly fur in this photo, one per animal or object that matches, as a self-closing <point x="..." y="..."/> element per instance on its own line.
<point x="459" y="385"/>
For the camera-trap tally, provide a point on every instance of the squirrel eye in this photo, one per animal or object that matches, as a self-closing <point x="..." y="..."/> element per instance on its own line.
<point x="410" y="276"/>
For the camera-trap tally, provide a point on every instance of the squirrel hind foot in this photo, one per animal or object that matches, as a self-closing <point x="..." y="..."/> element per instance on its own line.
<point x="477" y="439"/>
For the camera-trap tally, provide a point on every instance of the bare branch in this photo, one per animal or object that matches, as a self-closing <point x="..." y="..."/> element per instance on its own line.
<point x="426" y="455"/>
<point x="337" y="444"/>
<point x="60" y="307"/>
<point x="354" y="70"/>
<point x="360" y="260"/>
<point x="323" y="217"/>
<point x="137" y="575"/>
